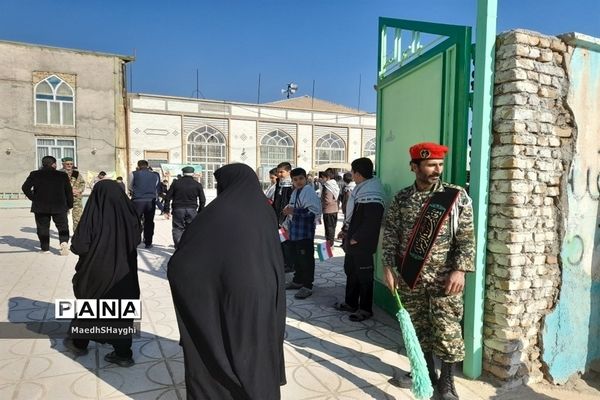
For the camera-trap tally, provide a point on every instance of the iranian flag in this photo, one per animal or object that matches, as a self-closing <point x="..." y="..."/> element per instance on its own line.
<point x="283" y="235"/>
<point x="324" y="251"/>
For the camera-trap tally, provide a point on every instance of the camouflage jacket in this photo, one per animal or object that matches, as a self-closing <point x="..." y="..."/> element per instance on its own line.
<point x="77" y="182"/>
<point x="454" y="247"/>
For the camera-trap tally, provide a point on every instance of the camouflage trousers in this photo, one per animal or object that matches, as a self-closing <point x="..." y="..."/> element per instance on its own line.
<point x="76" y="212"/>
<point x="436" y="318"/>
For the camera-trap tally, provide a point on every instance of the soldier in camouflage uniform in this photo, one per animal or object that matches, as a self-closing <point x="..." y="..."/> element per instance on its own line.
<point x="435" y="304"/>
<point x="78" y="185"/>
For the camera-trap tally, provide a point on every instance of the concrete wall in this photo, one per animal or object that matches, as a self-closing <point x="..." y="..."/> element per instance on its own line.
<point x="571" y="335"/>
<point x="542" y="290"/>
<point x="99" y="109"/>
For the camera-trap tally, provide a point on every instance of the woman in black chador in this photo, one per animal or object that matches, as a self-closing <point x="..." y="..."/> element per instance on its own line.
<point x="227" y="280"/>
<point x="106" y="241"/>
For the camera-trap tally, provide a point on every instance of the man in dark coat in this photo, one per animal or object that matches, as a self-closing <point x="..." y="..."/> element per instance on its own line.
<point x="52" y="196"/>
<point x="188" y="199"/>
<point x="360" y="234"/>
<point x="227" y="282"/>
<point x="144" y="185"/>
<point x="281" y="198"/>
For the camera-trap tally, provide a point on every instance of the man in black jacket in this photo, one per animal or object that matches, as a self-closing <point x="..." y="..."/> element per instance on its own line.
<point x="364" y="212"/>
<point x="51" y="196"/>
<point x="188" y="200"/>
<point x="144" y="185"/>
<point x="281" y="198"/>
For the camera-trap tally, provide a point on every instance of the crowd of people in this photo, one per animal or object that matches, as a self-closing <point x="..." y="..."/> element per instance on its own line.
<point x="231" y="259"/>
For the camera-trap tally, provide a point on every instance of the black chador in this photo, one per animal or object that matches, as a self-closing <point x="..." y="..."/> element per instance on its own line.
<point x="227" y="281"/>
<point x="106" y="241"/>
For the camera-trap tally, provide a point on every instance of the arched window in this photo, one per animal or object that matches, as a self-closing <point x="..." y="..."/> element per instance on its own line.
<point x="275" y="147"/>
<point x="206" y="146"/>
<point x="370" y="148"/>
<point x="54" y="102"/>
<point x="330" y="148"/>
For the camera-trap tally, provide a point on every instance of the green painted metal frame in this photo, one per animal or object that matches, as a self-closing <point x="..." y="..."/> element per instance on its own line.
<point x="483" y="98"/>
<point x="459" y="36"/>
<point x="454" y="126"/>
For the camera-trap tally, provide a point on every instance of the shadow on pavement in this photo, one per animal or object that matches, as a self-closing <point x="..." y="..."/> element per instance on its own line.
<point x="147" y="265"/>
<point x="334" y="350"/>
<point x="592" y="378"/>
<point x="150" y="352"/>
<point x="521" y="393"/>
<point x="53" y="233"/>
<point x="23" y="243"/>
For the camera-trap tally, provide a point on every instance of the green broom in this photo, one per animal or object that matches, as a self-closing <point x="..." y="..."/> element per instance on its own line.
<point x="421" y="383"/>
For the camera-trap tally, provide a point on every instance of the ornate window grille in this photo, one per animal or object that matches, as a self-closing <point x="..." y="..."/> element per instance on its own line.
<point x="330" y="148"/>
<point x="206" y="146"/>
<point x="54" y="102"/>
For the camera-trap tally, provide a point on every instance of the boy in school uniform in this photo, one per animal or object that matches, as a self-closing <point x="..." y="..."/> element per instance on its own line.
<point x="303" y="212"/>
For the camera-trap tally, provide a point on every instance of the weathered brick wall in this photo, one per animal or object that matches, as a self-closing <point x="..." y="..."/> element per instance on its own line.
<point x="531" y="131"/>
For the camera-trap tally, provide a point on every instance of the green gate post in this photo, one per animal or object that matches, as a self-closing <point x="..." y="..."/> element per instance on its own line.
<point x="480" y="151"/>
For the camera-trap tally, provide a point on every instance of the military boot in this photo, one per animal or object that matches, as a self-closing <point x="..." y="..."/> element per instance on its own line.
<point x="431" y="368"/>
<point x="445" y="385"/>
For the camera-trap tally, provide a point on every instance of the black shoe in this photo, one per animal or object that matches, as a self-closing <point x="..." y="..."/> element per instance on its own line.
<point x="120" y="361"/>
<point x="360" y="315"/>
<point x="445" y="385"/>
<point x="148" y="246"/>
<point x="345" y="307"/>
<point x="303" y="293"/>
<point x="70" y="345"/>
<point x="292" y="285"/>
<point x="403" y="381"/>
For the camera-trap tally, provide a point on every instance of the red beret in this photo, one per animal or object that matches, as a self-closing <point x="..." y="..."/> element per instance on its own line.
<point x="422" y="151"/>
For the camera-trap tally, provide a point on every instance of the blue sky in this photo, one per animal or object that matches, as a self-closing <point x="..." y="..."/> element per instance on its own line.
<point x="231" y="42"/>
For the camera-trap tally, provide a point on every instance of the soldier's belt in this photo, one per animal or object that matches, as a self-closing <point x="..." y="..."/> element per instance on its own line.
<point x="423" y="235"/>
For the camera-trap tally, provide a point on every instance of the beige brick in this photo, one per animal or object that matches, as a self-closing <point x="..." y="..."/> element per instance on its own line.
<point x="558" y="45"/>
<point x="563" y="131"/>
<point x="504" y="248"/>
<point x="513" y="50"/>
<point x="546" y="55"/>
<point x="510" y="99"/>
<point x="510" y="75"/>
<point x="548" y="92"/>
<point x="545" y="79"/>
<point x="544" y="42"/>
<point x="549" y="69"/>
<point x="503" y="346"/>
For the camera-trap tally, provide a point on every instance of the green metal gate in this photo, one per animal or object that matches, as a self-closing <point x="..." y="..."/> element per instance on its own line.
<point x="423" y="96"/>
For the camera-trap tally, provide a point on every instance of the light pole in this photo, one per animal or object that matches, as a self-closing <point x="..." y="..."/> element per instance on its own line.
<point x="291" y="89"/>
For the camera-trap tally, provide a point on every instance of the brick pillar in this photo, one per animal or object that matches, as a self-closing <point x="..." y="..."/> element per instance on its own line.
<point x="524" y="227"/>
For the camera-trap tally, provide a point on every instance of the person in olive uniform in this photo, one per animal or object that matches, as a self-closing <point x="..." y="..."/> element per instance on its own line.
<point x="78" y="185"/>
<point x="429" y="239"/>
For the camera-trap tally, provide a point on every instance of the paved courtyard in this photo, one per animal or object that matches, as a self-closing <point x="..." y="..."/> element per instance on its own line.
<point x="327" y="355"/>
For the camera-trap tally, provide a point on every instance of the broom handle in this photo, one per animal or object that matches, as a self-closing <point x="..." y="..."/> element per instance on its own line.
<point x="397" y="296"/>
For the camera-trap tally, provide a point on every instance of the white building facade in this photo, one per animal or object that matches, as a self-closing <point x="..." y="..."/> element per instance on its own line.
<point x="308" y="133"/>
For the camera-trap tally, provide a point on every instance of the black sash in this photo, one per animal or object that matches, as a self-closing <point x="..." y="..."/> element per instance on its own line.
<point x="424" y="233"/>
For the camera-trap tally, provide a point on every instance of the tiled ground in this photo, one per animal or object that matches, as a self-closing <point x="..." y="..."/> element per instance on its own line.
<point x="327" y="355"/>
